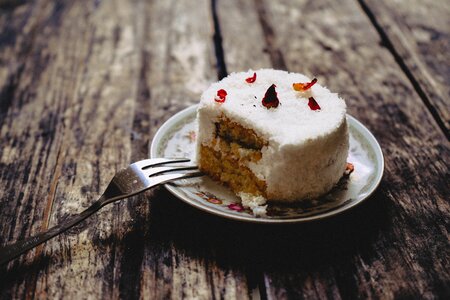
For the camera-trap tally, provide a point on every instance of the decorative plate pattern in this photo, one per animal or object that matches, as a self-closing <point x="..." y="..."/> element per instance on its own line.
<point x="176" y="138"/>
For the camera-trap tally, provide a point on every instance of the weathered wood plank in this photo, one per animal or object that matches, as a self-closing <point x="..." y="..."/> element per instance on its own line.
<point x="77" y="79"/>
<point x="396" y="244"/>
<point x="419" y="33"/>
<point x="84" y="87"/>
<point x="177" y="48"/>
<point x="242" y="52"/>
<point x="64" y="134"/>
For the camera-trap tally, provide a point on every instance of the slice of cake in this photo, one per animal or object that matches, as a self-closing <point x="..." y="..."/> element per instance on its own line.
<point x="272" y="135"/>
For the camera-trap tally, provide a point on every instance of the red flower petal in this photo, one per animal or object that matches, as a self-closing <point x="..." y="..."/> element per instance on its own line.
<point x="251" y="79"/>
<point x="301" y="87"/>
<point x="313" y="104"/>
<point x="270" y="98"/>
<point x="221" y="95"/>
<point x="235" y="206"/>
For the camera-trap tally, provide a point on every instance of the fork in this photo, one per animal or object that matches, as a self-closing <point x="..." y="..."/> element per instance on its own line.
<point x="134" y="179"/>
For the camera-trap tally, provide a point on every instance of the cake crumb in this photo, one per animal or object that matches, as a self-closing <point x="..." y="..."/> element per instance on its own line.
<point x="255" y="203"/>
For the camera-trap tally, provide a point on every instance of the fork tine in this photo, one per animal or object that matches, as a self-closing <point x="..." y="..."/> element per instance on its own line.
<point x="147" y="163"/>
<point x="164" y="178"/>
<point x="158" y="170"/>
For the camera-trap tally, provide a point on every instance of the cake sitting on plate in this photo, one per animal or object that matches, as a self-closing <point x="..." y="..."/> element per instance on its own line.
<point x="272" y="135"/>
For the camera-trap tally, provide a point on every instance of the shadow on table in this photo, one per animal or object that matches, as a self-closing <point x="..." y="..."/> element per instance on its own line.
<point x="269" y="247"/>
<point x="250" y="248"/>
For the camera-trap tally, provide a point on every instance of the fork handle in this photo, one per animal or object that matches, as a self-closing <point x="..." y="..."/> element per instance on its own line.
<point x="10" y="252"/>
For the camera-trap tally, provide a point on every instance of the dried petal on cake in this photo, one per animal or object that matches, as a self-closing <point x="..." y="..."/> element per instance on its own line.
<point x="349" y="169"/>
<point x="236" y="207"/>
<point x="251" y="79"/>
<point x="302" y="87"/>
<point x="312" y="103"/>
<point x="221" y="95"/>
<point x="270" y="98"/>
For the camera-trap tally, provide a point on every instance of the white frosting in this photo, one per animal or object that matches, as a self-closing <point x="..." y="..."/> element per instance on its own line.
<point x="306" y="151"/>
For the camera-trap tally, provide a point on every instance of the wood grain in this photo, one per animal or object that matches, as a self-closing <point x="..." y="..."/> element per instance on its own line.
<point x="383" y="250"/>
<point x="179" y="51"/>
<point x="84" y="85"/>
<point x="251" y="53"/>
<point x="71" y="107"/>
<point x="418" y="34"/>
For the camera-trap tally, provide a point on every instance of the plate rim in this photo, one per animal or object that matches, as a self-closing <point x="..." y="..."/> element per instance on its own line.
<point x="354" y="122"/>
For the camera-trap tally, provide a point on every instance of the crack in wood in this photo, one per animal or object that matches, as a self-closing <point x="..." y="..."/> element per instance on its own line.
<point x="386" y="41"/>
<point x="217" y="38"/>
<point x="51" y="196"/>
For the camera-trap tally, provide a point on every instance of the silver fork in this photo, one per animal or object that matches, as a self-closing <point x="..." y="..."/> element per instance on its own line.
<point x="134" y="179"/>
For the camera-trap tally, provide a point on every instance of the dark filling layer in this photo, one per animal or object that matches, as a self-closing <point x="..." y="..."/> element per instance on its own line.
<point x="234" y="133"/>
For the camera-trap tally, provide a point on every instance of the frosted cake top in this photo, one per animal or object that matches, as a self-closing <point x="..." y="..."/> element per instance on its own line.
<point x="282" y="107"/>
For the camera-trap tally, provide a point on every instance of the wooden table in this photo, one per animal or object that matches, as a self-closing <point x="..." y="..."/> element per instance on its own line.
<point x="84" y="85"/>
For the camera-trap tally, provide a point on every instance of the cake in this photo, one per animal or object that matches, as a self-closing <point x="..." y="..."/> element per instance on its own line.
<point x="271" y="135"/>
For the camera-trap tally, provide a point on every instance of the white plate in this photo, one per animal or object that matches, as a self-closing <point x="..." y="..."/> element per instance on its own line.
<point x="176" y="138"/>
